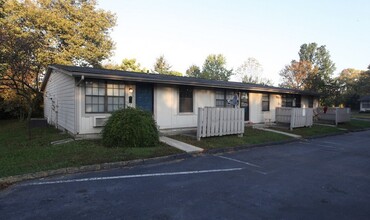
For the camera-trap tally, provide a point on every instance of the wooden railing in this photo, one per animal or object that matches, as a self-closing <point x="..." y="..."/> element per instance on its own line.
<point x="295" y="117"/>
<point x="334" y="115"/>
<point x="220" y="121"/>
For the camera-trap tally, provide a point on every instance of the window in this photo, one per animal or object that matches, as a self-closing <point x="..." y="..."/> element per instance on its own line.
<point x="265" y="102"/>
<point x="220" y="98"/>
<point x="223" y="98"/>
<point x="103" y="97"/>
<point x="116" y="96"/>
<point x="365" y="104"/>
<point x="95" y="94"/>
<point x="186" y="99"/>
<point x="289" y="100"/>
<point x="310" y="102"/>
<point x="229" y="98"/>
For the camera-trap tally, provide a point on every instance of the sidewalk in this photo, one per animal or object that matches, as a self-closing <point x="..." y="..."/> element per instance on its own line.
<point x="279" y="132"/>
<point x="180" y="145"/>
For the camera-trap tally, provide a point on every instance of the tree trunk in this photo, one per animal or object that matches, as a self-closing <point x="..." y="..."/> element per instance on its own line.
<point x="29" y="120"/>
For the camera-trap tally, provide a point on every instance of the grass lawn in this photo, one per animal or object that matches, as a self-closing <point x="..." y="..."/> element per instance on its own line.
<point x="361" y="115"/>
<point x="315" y="130"/>
<point x="355" y="124"/>
<point x="19" y="155"/>
<point x="250" y="137"/>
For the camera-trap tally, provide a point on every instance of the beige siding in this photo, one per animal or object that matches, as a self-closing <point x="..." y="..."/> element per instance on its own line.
<point x="256" y="115"/>
<point x="166" y="107"/>
<point x="59" y="101"/>
<point x="255" y="108"/>
<point x="275" y="102"/>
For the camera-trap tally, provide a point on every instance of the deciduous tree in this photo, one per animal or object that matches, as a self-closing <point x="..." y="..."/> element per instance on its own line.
<point x="36" y="33"/>
<point x="320" y="59"/>
<point x="131" y="65"/>
<point x="348" y="80"/>
<point x="193" y="71"/>
<point x="312" y="72"/>
<point x="214" y="67"/>
<point x="162" y="66"/>
<point x="251" y="72"/>
<point x="295" y="75"/>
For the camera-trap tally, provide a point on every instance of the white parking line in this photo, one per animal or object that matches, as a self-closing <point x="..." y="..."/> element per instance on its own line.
<point x="244" y="162"/>
<point x="132" y="176"/>
<point x="239" y="161"/>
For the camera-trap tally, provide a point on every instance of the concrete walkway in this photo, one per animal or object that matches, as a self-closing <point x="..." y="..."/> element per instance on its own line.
<point x="180" y="145"/>
<point x="279" y="132"/>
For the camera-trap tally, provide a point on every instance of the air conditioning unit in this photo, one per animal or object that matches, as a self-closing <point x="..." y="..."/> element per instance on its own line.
<point x="99" y="121"/>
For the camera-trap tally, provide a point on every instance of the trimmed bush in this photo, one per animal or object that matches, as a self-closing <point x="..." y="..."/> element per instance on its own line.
<point x="130" y="127"/>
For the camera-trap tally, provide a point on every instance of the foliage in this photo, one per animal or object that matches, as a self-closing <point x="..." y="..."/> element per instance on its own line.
<point x="214" y="67"/>
<point x="312" y="72"/>
<point x="126" y="65"/>
<point x="296" y="73"/>
<point x="130" y="128"/>
<point x="161" y="65"/>
<point x="131" y="65"/>
<point x="250" y="72"/>
<point x="352" y="85"/>
<point x="320" y="59"/>
<point x="349" y="90"/>
<point x="37" y="33"/>
<point x="175" y="73"/>
<point x="364" y="83"/>
<point x="11" y="105"/>
<point x="193" y="71"/>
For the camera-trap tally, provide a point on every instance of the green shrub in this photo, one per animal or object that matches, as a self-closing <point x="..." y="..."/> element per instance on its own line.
<point x="130" y="128"/>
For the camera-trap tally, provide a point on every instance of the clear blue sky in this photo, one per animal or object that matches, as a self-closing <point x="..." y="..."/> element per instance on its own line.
<point x="186" y="31"/>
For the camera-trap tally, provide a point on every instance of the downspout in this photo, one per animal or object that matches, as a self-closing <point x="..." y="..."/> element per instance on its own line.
<point x="77" y="107"/>
<point x="82" y="79"/>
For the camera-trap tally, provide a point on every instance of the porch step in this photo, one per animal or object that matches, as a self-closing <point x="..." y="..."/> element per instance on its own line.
<point x="180" y="145"/>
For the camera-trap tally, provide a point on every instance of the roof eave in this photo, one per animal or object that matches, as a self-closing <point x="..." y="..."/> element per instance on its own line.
<point x="172" y="82"/>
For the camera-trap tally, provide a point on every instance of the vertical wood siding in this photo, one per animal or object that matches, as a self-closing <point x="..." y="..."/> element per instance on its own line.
<point x="295" y="117"/>
<point x="220" y="121"/>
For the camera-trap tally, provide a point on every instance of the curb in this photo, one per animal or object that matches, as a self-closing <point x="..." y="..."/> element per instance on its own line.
<point x="7" y="181"/>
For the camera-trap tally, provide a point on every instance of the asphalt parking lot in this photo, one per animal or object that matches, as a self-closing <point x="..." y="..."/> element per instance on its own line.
<point x="325" y="178"/>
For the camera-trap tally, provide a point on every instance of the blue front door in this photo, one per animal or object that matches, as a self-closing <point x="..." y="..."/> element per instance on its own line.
<point x="144" y="97"/>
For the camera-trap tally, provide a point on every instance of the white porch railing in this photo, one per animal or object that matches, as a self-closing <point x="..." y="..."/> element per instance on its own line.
<point x="220" y="121"/>
<point x="334" y="115"/>
<point x="295" y="117"/>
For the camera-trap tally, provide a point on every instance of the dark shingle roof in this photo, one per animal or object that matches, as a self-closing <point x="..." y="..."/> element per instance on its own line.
<point x="365" y="98"/>
<point x="165" y="79"/>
